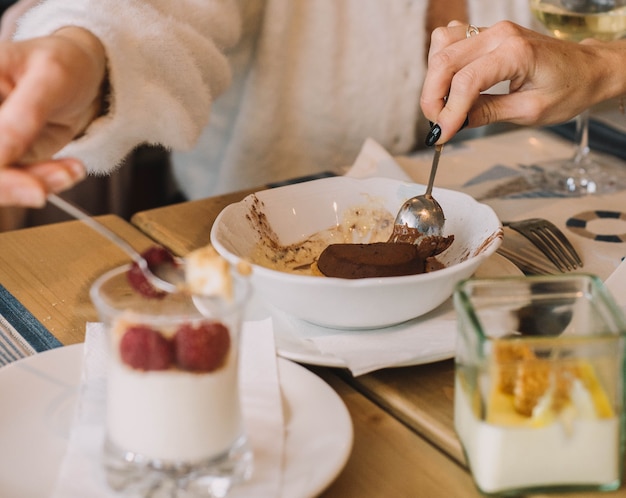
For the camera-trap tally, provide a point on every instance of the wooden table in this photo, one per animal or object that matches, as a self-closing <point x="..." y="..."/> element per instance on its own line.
<point x="49" y="270"/>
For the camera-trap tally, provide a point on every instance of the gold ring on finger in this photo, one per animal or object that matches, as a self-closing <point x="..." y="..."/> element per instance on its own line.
<point x="471" y="30"/>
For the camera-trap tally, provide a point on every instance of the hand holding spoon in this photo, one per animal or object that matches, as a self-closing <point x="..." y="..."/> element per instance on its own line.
<point x="420" y="216"/>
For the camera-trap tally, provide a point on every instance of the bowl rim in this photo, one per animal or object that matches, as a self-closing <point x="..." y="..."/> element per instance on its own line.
<point x="488" y="250"/>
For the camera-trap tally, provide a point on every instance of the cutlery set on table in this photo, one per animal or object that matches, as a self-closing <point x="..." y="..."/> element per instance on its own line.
<point x="551" y="243"/>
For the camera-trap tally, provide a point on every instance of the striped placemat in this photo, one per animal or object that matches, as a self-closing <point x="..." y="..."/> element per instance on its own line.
<point x="21" y="334"/>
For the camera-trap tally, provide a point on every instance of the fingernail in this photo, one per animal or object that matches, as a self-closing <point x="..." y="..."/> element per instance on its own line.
<point x="59" y="180"/>
<point x="29" y="197"/>
<point x="433" y="135"/>
<point x="77" y="169"/>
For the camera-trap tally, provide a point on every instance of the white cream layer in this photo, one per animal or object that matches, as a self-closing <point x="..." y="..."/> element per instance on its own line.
<point x="501" y="458"/>
<point x="173" y="415"/>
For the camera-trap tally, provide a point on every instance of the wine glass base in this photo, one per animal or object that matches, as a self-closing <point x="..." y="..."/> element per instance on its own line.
<point x="594" y="174"/>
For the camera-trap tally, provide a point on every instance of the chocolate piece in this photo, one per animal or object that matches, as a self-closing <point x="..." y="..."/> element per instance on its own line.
<point x="380" y="259"/>
<point x="433" y="245"/>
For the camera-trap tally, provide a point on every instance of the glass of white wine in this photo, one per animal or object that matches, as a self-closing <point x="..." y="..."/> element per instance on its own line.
<point x="576" y="20"/>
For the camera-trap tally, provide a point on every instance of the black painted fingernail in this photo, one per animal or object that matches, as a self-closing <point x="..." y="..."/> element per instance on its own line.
<point x="433" y="135"/>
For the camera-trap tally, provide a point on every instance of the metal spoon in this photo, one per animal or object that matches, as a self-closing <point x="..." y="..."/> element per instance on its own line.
<point x="421" y="215"/>
<point x="168" y="281"/>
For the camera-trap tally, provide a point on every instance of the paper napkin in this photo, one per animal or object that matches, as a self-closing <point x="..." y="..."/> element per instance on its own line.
<point x="422" y="340"/>
<point x="81" y="472"/>
<point x="374" y="161"/>
<point x="616" y="283"/>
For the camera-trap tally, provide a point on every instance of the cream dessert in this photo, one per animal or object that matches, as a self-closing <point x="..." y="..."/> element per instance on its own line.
<point x="172" y="394"/>
<point x="172" y="379"/>
<point x="539" y="424"/>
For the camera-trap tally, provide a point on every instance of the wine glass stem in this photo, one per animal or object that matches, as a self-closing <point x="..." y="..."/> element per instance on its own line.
<point x="582" y="136"/>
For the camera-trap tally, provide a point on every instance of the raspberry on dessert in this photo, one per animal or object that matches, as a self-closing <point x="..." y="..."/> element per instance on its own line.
<point x="144" y="348"/>
<point x="201" y="348"/>
<point x="155" y="256"/>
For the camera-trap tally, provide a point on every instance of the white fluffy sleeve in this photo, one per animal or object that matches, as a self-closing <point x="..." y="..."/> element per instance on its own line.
<point x="166" y="64"/>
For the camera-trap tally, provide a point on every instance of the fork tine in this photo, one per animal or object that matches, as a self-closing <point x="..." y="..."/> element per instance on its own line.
<point x="565" y="247"/>
<point x="538" y="238"/>
<point x="555" y="248"/>
<point x="550" y="240"/>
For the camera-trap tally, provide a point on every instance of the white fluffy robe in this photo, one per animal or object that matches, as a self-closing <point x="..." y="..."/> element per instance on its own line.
<point x="166" y="64"/>
<point x="311" y="80"/>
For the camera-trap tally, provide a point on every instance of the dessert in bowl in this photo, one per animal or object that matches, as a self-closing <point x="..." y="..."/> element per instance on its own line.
<point x="282" y="231"/>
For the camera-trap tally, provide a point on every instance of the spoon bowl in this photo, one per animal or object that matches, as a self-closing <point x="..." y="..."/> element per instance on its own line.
<point x="423" y="213"/>
<point x="421" y="216"/>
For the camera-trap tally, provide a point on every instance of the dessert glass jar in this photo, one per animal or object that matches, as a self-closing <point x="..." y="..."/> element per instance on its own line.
<point x="539" y="384"/>
<point x="174" y="420"/>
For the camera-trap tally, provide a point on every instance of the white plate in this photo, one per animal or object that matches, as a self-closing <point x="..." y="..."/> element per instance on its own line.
<point x="38" y="396"/>
<point x="290" y="334"/>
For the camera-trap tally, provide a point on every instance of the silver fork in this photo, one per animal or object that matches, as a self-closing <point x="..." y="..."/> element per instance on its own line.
<point x="549" y="240"/>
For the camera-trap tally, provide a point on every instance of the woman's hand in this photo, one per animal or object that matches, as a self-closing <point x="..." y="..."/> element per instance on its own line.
<point x="551" y="80"/>
<point x="51" y="89"/>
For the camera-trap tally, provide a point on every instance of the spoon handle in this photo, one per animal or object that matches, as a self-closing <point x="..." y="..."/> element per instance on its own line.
<point x="433" y="170"/>
<point x="81" y="215"/>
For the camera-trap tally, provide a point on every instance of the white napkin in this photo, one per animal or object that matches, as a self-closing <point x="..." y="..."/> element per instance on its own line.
<point x="374" y="161"/>
<point x="422" y="340"/>
<point x="81" y="472"/>
<point x="616" y="283"/>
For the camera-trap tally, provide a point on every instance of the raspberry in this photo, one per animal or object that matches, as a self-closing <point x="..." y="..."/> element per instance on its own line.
<point x="154" y="256"/>
<point x="202" y="348"/>
<point x="144" y="348"/>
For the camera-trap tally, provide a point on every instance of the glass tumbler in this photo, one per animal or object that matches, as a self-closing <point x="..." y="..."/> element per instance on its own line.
<point x="539" y="384"/>
<point x="174" y="421"/>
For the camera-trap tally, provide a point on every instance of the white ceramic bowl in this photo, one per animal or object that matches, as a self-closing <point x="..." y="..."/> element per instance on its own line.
<point x="295" y="212"/>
